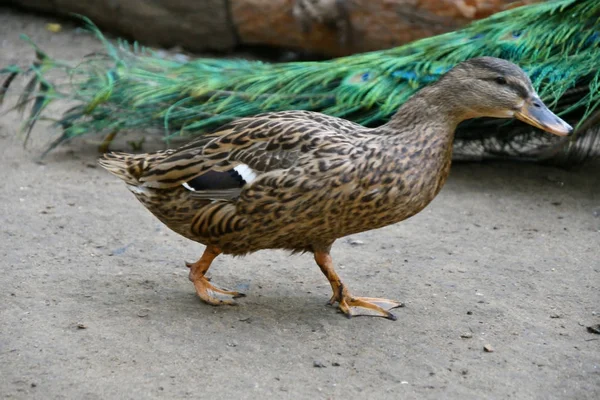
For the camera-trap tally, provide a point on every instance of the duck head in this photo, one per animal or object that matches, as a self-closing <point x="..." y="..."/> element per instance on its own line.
<point x="492" y="87"/>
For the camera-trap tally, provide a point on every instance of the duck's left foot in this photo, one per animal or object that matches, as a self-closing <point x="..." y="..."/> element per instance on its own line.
<point x="369" y="306"/>
<point x="349" y="305"/>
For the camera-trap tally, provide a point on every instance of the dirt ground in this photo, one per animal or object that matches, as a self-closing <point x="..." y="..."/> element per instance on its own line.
<point x="95" y="302"/>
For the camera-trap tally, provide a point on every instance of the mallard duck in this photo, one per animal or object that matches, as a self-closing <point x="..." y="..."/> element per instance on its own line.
<point x="299" y="180"/>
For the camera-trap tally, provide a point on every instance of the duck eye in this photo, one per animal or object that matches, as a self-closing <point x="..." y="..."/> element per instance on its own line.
<point x="500" y="80"/>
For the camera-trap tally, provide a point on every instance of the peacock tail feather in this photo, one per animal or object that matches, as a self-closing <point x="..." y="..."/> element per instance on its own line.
<point x="129" y="87"/>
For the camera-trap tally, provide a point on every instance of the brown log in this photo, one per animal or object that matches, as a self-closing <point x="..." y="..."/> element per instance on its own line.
<point x="328" y="27"/>
<point x="195" y="25"/>
<point x="341" y="27"/>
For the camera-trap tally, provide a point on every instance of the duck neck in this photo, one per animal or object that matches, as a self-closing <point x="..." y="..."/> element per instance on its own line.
<point x="433" y="111"/>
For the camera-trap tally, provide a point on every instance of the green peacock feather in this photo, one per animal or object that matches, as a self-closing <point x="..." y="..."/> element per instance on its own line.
<point x="128" y="87"/>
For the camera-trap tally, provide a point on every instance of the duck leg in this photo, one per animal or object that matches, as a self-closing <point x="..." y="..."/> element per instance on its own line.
<point x="348" y="304"/>
<point x="204" y="288"/>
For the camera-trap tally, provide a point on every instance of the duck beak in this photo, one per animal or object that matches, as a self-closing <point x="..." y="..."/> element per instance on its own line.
<point x="534" y="112"/>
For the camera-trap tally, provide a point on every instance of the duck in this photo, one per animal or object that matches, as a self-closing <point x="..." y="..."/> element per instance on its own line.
<point x="300" y="180"/>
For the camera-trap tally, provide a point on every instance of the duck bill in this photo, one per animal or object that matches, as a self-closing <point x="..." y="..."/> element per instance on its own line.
<point x="535" y="113"/>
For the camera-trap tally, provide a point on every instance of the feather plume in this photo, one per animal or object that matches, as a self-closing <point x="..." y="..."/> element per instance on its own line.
<point x="556" y="42"/>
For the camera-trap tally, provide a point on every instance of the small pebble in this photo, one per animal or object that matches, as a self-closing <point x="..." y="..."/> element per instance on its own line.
<point x="318" y="364"/>
<point x="466" y="335"/>
<point x="594" y="329"/>
<point x="81" y="326"/>
<point x="355" y="242"/>
<point x="488" y="348"/>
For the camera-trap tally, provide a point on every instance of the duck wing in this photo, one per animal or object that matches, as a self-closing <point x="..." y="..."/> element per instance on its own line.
<point x="248" y="148"/>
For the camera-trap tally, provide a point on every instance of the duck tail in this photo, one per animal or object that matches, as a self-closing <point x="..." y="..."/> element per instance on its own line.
<point x="130" y="167"/>
<point x="126" y="166"/>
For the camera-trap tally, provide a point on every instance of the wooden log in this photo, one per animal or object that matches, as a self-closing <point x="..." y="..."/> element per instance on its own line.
<point x="195" y="25"/>
<point x="341" y="27"/>
<point x="328" y="27"/>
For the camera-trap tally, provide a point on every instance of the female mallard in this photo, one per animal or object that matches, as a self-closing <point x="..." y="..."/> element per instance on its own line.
<point x="299" y="180"/>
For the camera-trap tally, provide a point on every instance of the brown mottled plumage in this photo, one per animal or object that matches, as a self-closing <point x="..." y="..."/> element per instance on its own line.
<point x="299" y="180"/>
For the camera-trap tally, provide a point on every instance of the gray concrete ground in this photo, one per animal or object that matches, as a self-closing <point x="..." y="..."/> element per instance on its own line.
<point x="95" y="301"/>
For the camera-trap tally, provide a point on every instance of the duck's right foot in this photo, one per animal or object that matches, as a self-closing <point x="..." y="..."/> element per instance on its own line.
<point x="206" y="291"/>
<point x="368" y="306"/>
<point x="213" y="295"/>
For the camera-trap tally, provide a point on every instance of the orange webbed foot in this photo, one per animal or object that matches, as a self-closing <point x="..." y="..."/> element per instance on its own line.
<point x="206" y="291"/>
<point x="349" y="305"/>
<point x="368" y="306"/>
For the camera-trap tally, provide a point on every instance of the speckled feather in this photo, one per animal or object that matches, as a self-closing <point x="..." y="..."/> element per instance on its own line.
<point x="319" y="177"/>
<point x="304" y="179"/>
